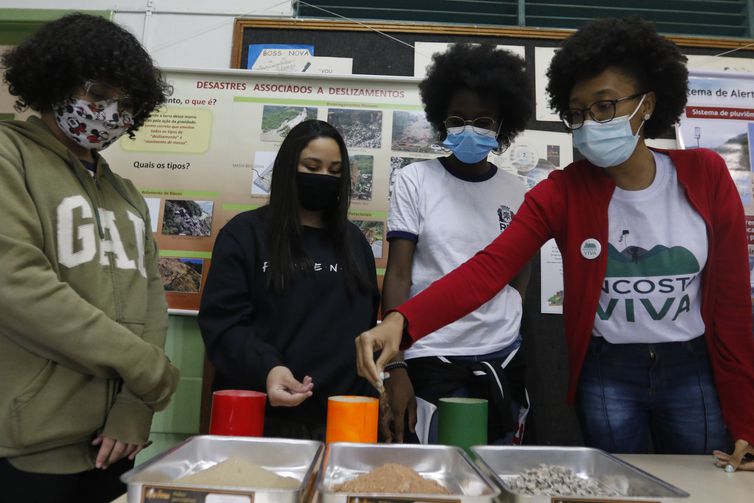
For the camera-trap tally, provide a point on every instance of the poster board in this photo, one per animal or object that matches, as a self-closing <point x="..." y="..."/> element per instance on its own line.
<point x="207" y="155"/>
<point x="383" y="48"/>
<point x="719" y="115"/>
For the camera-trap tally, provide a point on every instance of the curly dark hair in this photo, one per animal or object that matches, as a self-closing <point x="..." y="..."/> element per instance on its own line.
<point x="48" y="67"/>
<point x="633" y="46"/>
<point x="486" y="71"/>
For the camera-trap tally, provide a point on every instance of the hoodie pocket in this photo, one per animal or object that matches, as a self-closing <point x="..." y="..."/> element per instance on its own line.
<point x="39" y="380"/>
<point x="57" y="406"/>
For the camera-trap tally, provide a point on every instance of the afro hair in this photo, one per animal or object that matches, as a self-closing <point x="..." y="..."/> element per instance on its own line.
<point x="633" y="46"/>
<point x="49" y="66"/>
<point x="482" y="69"/>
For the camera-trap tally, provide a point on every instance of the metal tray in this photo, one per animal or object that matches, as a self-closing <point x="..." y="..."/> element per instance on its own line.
<point x="622" y="481"/>
<point x="449" y="466"/>
<point x="290" y="458"/>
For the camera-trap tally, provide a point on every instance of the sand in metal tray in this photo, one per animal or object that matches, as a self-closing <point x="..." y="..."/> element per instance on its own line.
<point x="237" y="472"/>
<point x="391" y="478"/>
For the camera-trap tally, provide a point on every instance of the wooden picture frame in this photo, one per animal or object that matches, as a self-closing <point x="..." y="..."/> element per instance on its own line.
<point x="243" y="26"/>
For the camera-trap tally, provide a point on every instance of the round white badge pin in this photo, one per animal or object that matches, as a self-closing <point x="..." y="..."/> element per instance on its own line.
<point x="590" y="249"/>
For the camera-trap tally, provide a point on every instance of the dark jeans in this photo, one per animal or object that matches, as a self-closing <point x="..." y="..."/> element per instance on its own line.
<point x="498" y="438"/>
<point x="93" y="486"/>
<point x="633" y="398"/>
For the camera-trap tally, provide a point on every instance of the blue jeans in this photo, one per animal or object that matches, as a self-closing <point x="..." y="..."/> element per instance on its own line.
<point x="634" y="397"/>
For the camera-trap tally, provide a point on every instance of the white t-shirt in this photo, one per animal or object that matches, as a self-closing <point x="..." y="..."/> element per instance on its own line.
<point x="657" y="250"/>
<point x="451" y="217"/>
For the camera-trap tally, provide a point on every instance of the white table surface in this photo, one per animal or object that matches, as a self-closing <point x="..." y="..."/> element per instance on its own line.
<point x="698" y="476"/>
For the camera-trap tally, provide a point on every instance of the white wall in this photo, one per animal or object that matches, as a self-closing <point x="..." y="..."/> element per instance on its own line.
<point x="177" y="33"/>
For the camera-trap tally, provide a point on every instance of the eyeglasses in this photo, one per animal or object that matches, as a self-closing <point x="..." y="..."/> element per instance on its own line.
<point x="600" y="111"/>
<point x="479" y="125"/>
<point x="103" y="92"/>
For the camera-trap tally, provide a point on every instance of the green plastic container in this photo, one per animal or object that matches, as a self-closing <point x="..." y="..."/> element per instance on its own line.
<point x="463" y="422"/>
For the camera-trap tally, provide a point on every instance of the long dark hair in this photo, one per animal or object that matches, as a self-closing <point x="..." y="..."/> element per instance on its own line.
<point x="287" y="256"/>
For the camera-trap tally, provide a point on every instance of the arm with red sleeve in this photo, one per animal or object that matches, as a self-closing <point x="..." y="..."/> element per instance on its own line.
<point x="728" y="305"/>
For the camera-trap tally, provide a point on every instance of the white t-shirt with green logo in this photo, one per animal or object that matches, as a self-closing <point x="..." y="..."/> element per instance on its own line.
<point x="657" y="248"/>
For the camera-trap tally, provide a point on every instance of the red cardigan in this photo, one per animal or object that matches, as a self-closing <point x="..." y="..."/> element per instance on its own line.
<point x="571" y="206"/>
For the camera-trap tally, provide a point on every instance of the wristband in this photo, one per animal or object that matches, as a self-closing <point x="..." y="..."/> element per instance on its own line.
<point x="396" y="365"/>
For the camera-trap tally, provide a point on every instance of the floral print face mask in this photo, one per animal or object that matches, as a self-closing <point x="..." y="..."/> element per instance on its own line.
<point x="94" y="125"/>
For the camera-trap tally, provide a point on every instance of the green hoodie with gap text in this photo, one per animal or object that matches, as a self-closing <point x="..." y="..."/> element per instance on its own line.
<point x="83" y="317"/>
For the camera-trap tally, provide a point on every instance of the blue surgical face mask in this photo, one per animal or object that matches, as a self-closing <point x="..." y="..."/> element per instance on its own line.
<point x="607" y="144"/>
<point x="469" y="145"/>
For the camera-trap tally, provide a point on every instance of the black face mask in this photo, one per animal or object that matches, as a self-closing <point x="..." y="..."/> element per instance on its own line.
<point x="318" y="192"/>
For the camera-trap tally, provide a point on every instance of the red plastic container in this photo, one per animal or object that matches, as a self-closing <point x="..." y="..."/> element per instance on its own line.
<point x="237" y="413"/>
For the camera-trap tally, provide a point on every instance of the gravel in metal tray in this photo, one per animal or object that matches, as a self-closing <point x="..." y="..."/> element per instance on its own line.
<point x="555" y="480"/>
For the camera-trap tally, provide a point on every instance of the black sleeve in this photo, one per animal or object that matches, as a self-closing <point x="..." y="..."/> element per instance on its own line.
<point x="226" y="316"/>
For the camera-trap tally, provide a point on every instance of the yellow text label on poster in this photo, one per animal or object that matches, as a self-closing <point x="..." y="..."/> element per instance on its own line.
<point x="173" y="129"/>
